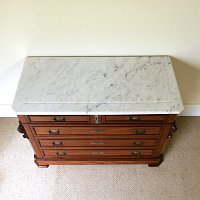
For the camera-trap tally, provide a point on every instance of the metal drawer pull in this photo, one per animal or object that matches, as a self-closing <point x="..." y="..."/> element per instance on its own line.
<point x="98" y="153"/>
<point x="138" y="143"/>
<point x="61" y="153"/>
<point x="134" y="118"/>
<point x="97" y="142"/>
<point x="135" y="153"/>
<point x="59" y="119"/>
<point x="97" y="131"/>
<point x="57" y="143"/>
<point x="139" y="131"/>
<point x="55" y="132"/>
<point x="97" y="119"/>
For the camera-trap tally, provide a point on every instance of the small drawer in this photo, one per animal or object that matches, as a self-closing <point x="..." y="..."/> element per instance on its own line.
<point x="65" y="153"/>
<point x="97" y="143"/>
<point x="58" y="130"/>
<point x="60" y="118"/>
<point x="135" y="118"/>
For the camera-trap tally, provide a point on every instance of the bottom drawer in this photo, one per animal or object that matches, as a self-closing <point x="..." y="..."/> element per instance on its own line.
<point x="97" y="153"/>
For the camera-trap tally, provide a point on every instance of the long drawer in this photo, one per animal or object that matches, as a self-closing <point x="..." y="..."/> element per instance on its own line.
<point x="97" y="143"/>
<point x="60" y="130"/>
<point x="97" y="153"/>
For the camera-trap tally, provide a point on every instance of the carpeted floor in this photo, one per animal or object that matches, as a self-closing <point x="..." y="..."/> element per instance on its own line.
<point x="178" y="177"/>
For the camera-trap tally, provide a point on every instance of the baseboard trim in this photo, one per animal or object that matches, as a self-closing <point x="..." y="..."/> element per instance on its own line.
<point x="7" y="111"/>
<point x="189" y="110"/>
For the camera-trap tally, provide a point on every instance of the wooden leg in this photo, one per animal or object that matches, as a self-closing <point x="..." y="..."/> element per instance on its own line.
<point x="40" y="166"/>
<point x="38" y="163"/>
<point x="158" y="163"/>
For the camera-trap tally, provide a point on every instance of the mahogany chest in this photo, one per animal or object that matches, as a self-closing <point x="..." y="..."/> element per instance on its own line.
<point x="97" y="139"/>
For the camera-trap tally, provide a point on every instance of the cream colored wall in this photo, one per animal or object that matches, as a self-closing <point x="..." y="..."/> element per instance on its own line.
<point x="101" y="27"/>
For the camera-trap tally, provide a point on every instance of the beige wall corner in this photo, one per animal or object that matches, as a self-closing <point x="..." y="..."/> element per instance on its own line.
<point x="188" y="78"/>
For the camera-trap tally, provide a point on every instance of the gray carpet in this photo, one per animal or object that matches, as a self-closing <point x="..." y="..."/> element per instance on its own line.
<point x="178" y="177"/>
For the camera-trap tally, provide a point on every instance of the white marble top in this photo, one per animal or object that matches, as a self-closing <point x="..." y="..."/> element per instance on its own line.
<point x="98" y="85"/>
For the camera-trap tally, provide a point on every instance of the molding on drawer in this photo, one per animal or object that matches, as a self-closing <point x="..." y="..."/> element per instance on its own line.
<point x="7" y="111"/>
<point x="191" y="110"/>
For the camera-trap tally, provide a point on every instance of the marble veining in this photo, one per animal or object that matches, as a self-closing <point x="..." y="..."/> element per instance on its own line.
<point x="98" y="85"/>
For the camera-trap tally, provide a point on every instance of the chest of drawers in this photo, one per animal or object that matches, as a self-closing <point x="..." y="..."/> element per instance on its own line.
<point x="98" y="110"/>
<point x="98" y="139"/>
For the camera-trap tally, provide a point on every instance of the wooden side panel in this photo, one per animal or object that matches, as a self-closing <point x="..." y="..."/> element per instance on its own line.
<point x="22" y="119"/>
<point x="163" y="140"/>
<point x="32" y="140"/>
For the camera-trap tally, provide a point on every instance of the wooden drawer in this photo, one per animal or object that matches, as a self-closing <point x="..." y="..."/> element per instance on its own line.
<point x="59" y="118"/>
<point x="135" y="118"/>
<point x="97" y="143"/>
<point x="97" y="153"/>
<point x="60" y="130"/>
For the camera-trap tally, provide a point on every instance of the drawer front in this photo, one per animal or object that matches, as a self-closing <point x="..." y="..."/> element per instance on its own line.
<point x="134" y="118"/>
<point x="97" y="153"/>
<point x="96" y="143"/>
<point x="56" y="130"/>
<point x="59" y="118"/>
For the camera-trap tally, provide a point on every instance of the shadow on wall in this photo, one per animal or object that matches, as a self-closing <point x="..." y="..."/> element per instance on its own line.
<point x="188" y="79"/>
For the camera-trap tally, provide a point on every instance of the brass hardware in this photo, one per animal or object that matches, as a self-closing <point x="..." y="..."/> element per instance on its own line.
<point x="57" y="143"/>
<point x="172" y="130"/>
<point x="134" y="118"/>
<point x="61" y="153"/>
<point x="97" y="142"/>
<point x="54" y="132"/>
<point x="59" y="119"/>
<point x="97" y="120"/>
<point x="138" y="143"/>
<point x="98" y="153"/>
<point x="170" y="136"/>
<point x="135" y="153"/>
<point x="97" y="131"/>
<point x="139" y="131"/>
